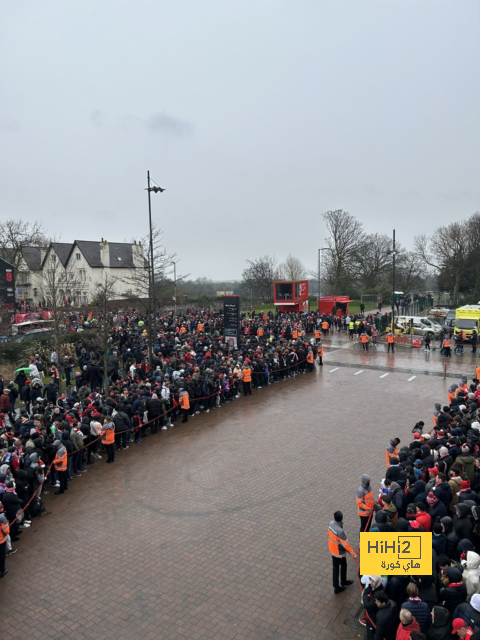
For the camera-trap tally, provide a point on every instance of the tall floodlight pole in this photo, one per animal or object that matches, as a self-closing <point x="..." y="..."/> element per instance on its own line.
<point x="152" y="322"/>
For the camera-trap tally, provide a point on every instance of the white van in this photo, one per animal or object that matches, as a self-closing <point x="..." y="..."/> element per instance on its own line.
<point x="421" y="326"/>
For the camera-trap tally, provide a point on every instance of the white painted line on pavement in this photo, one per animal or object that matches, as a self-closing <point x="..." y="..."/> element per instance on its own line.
<point x="358" y="372"/>
<point x="385" y="375"/>
<point x="412" y="378"/>
<point x="332" y="370"/>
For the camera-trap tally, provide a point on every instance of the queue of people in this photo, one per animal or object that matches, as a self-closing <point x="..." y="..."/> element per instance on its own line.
<point x="51" y="439"/>
<point x="431" y="484"/>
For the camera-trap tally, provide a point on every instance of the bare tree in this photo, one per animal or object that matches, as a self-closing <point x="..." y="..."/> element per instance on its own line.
<point x="260" y="275"/>
<point x="447" y="252"/>
<point x="139" y="286"/>
<point x="15" y="235"/>
<point x="105" y="292"/>
<point x="373" y="261"/>
<point x="410" y="271"/>
<point x="345" y="243"/>
<point x="291" y="269"/>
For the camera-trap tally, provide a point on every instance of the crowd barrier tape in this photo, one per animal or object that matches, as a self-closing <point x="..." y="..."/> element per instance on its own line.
<point x="357" y="568"/>
<point x="38" y="492"/>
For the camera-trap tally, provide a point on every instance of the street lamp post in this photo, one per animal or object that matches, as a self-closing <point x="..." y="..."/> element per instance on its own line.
<point x="393" y="279"/>
<point x="175" y="284"/>
<point x="320" y="270"/>
<point x="155" y="189"/>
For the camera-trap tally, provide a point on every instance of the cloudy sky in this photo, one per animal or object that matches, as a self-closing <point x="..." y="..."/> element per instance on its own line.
<point x="257" y="116"/>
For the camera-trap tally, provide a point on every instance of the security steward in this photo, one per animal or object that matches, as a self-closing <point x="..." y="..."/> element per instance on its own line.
<point x="364" y="341"/>
<point x="446" y="347"/>
<point x="108" y="439"/>
<point x="365" y="503"/>
<point x="317" y="335"/>
<point x="325" y="327"/>
<point x="310" y="360"/>
<point x="391" y="342"/>
<point x="338" y="546"/>
<point x="60" y="464"/>
<point x="184" y="402"/>
<point x="351" y="327"/>
<point x="391" y="451"/>
<point x="247" y="381"/>
<point x="320" y="353"/>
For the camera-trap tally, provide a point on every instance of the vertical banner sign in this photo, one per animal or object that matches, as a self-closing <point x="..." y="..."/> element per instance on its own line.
<point x="231" y="319"/>
<point x="7" y="284"/>
<point x="396" y="554"/>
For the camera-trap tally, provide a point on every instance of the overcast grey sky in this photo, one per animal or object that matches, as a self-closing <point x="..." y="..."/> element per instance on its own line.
<point x="257" y="116"/>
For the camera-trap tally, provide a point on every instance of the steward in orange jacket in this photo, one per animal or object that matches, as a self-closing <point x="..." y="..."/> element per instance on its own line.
<point x="365" y="503"/>
<point x="338" y="546"/>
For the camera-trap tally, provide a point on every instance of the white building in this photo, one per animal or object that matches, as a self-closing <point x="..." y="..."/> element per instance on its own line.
<point x="77" y="268"/>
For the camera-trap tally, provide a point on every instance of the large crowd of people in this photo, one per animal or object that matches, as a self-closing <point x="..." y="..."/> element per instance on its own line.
<point x="50" y="437"/>
<point x="431" y="484"/>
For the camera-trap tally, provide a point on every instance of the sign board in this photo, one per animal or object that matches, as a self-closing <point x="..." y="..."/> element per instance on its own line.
<point x="7" y="284"/>
<point x="224" y="293"/>
<point x="398" y="554"/>
<point x="231" y="319"/>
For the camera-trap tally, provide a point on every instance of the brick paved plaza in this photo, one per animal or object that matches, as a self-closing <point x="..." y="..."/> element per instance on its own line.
<point x="217" y="529"/>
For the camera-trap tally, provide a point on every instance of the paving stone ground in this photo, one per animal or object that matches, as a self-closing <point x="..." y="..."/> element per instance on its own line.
<point x="217" y="529"/>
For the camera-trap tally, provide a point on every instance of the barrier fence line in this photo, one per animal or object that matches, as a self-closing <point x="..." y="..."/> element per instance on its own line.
<point x="358" y="573"/>
<point x="144" y="425"/>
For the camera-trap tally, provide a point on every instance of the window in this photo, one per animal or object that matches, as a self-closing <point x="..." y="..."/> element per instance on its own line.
<point x="77" y="256"/>
<point x="83" y="275"/>
<point x="35" y="293"/>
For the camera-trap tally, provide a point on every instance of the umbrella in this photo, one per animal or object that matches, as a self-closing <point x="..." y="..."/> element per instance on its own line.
<point x="24" y="369"/>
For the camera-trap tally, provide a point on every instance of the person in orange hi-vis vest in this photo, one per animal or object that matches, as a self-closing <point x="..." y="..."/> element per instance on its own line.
<point x="338" y="546"/>
<point x="391" y="342"/>
<point x="320" y="353"/>
<point x="184" y="402"/>
<point x="108" y="439"/>
<point x="60" y="464"/>
<point x="365" y="503"/>
<point x="317" y="335"/>
<point x="392" y="450"/>
<point x="310" y="361"/>
<point x="246" y="380"/>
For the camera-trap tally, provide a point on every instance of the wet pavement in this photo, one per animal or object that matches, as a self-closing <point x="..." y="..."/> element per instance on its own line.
<point x="217" y="529"/>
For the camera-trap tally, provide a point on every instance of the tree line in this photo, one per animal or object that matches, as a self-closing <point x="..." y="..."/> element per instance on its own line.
<point x="355" y="262"/>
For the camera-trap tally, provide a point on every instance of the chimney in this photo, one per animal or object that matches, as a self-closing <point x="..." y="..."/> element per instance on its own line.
<point x="105" y="253"/>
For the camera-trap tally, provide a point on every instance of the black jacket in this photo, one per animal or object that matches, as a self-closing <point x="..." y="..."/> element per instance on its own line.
<point x="386" y="622"/>
<point x="50" y="392"/>
<point x="11" y="504"/>
<point x="453" y="596"/>
<point x="154" y="408"/>
<point x="441" y="628"/>
<point x="122" y="422"/>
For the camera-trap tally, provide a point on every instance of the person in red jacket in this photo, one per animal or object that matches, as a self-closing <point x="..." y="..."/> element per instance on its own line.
<point x="407" y="625"/>
<point x="423" y="518"/>
<point x="5" y="405"/>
